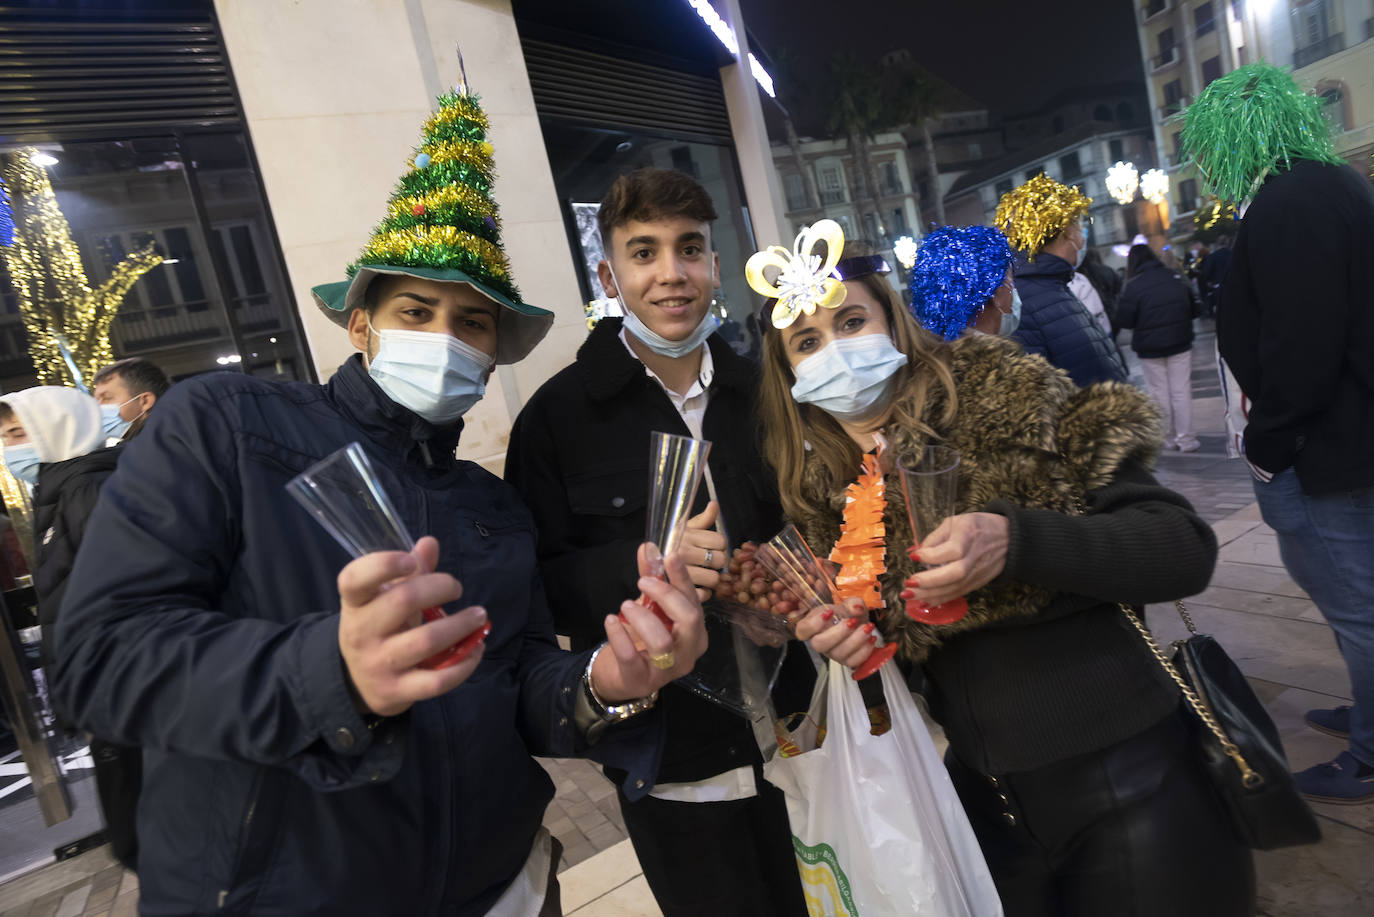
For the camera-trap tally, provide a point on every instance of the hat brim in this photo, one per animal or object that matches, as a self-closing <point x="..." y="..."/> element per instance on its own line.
<point x="520" y="327"/>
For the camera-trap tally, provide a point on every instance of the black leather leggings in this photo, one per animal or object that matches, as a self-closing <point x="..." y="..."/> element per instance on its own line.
<point x="1134" y="829"/>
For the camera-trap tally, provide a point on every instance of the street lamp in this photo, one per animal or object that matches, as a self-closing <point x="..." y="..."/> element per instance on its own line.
<point x="1122" y="180"/>
<point x="905" y="249"/>
<point x="1154" y="185"/>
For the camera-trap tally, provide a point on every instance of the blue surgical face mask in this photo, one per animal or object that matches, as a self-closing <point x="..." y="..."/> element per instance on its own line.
<point x="1082" y="252"/>
<point x="111" y="423"/>
<point x="657" y="342"/>
<point x="433" y="374"/>
<point x="1011" y="321"/>
<point x="849" y="378"/>
<point x="22" y="461"/>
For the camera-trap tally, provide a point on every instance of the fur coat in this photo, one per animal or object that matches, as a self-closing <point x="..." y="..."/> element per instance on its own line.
<point x="1025" y="434"/>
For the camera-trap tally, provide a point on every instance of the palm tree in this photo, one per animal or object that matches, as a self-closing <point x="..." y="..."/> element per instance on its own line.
<point x="910" y="96"/>
<point x="854" y="109"/>
<point x="791" y="89"/>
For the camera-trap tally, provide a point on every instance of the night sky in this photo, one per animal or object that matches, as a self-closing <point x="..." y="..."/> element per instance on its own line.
<point x="1011" y="56"/>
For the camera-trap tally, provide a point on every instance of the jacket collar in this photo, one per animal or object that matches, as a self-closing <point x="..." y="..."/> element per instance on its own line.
<point x="388" y="423"/>
<point x="54" y="476"/>
<point x="607" y="367"/>
<point x="1044" y="265"/>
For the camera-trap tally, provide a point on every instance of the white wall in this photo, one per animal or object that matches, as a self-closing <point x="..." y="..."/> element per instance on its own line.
<point x="335" y="92"/>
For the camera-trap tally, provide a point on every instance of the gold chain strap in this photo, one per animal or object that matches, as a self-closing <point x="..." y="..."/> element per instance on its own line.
<point x="1247" y="774"/>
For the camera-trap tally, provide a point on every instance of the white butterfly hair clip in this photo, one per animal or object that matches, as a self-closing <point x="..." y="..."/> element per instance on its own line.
<point x="804" y="281"/>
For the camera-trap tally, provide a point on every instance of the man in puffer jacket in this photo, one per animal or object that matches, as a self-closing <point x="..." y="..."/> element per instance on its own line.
<point x="1043" y="220"/>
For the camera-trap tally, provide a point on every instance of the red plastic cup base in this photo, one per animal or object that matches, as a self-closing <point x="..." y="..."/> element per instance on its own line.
<point x="875" y="661"/>
<point x="947" y="613"/>
<point x="652" y="606"/>
<point x="460" y="650"/>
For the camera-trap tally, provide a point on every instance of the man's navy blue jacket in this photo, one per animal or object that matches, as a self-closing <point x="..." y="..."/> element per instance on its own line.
<point x="201" y="623"/>
<point x="1056" y="325"/>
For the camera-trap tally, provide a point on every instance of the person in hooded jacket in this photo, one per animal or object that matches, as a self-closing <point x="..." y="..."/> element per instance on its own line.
<point x="1160" y="306"/>
<point x="55" y="439"/>
<point x="1045" y="221"/>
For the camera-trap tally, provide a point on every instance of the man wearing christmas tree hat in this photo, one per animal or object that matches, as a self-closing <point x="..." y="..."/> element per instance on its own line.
<point x="314" y="743"/>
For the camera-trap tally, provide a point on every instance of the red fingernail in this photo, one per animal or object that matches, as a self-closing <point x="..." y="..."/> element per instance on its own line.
<point x="915" y="556"/>
<point x="873" y="639"/>
<point x="868" y="628"/>
<point x="827" y="615"/>
<point x="907" y="594"/>
<point x="914" y="583"/>
<point x="851" y="623"/>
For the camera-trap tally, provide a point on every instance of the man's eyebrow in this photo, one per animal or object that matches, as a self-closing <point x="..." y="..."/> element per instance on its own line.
<point x="426" y="300"/>
<point x="641" y="240"/>
<point x="693" y="236"/>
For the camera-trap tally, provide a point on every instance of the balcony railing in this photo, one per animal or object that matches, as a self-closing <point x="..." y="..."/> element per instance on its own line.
<point x="1152" y="8"/>
<point x="1170" y="109"/>
<point x="1166" y="58"/>
<point x="829" y="196"/>
<point x="1315" y="52"/>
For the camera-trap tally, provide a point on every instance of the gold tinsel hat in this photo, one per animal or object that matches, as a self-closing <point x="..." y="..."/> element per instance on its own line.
<point x="442" y="224"/>
<point x="1038" y="211"/>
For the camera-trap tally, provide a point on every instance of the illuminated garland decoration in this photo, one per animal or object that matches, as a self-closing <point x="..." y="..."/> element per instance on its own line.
<point x="441" y="214"/>
<point x="1033" y="214"/>
<point x="1212" y="212"/>
<point x="957" y="270"/>
<point x="45" y="269"/>
<point x="1247" y="123"/>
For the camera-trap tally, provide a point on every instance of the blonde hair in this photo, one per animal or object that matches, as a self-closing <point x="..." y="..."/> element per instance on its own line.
<point x="788" y="427"/>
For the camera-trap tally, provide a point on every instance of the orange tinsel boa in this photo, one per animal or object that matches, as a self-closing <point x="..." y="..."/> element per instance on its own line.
<point x="859" y="552"/>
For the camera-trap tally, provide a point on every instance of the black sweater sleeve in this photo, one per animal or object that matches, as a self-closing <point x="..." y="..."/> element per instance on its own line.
<point x="1137" y="542"/>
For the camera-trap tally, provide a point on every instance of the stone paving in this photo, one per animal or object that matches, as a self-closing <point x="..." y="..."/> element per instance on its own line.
<point x="1263" y="619"/>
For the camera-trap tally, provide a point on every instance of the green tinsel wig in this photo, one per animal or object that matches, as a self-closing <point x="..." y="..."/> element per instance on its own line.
<point x="1244" y="124"/>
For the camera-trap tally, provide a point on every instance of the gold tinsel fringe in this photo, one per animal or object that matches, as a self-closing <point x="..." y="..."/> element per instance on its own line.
<point x="398" y="243"/>
<point x="1033" y="214"/>
<point x="459" y="108"/>
<point x="478" y="155"/>
<point x="444" y="198"/>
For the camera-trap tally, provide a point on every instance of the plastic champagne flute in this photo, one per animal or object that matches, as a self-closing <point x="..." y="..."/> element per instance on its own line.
<point x="930" y="482"/>
<point x="343" y="494"/>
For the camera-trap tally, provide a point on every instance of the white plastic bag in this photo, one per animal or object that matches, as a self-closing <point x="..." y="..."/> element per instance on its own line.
<point x="877" y="826"/>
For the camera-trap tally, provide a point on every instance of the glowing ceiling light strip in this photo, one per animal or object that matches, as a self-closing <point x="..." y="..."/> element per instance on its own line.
<point x="726" y="36"/>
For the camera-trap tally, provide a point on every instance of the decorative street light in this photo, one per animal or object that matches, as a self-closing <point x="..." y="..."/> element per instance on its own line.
<point x="1122" y="180"/>
<point x="1154" y="185"/>
<point x="905" y="249"/>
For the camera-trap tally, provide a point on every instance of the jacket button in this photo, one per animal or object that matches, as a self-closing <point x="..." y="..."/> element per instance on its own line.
<point x="992" y="780"/>
<point x="376" y="777"/>
<point x="562" y="721"/>
<point x="639" y="784"/>
<point x="1009" y="818"/>
<point x="617" y="502"/>
<point x="343" y="737"/>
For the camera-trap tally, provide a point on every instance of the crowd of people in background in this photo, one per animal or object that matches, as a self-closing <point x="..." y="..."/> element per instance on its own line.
<point x="273" y="735"/>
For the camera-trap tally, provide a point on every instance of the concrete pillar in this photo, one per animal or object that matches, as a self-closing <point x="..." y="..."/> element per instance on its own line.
<point x="762" y="188"/>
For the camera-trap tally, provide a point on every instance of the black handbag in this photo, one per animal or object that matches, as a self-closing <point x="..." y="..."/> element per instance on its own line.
<point x="1240" y="747"/>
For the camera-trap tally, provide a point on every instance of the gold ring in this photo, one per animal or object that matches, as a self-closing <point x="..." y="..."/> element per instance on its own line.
<point x="663" y="660"/>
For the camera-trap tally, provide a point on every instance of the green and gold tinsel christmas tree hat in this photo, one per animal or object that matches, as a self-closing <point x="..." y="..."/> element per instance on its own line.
<point x="1033" y="214"/>
<point x="1244" y="124"/>
<point x="442" y="224"/>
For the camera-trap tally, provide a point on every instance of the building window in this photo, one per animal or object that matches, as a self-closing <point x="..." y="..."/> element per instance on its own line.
<point x="873" y="232"/>
<point x="1102" y="113"/>
<point x="796" y="191"/>
<point x="832" y="185"/>
<point x="1070" y="167"/>
<point x="1116" y="149"/>
<point x="1187" y="195"/>
<point x="1336" y="111"/>
<point x="1173" y="92"/>
<point x="1178" y="147"/>
<point x="1211" y="69"/>
<point x="1204" y="19"/>
<point x="682" y="160"/>
<point x="975" y="151"/>
<point x="1166" y="45"/>
<point x="1002" y="187"/>
<point x="899" y="226"/>
<point x="892" y="183"/>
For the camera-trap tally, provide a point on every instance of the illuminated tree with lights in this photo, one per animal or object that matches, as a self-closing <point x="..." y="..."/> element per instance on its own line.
<point x="61" y="311"/>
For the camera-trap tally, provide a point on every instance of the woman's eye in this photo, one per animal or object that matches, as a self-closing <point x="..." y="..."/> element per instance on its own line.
<point x="805" y="344"/>
<point x="853" y="323"/>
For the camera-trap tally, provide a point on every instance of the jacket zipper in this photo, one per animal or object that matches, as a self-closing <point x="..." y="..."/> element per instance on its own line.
<point x="244" y="827"/>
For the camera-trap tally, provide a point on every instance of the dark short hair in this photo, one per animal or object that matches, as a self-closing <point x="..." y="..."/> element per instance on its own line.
<point x="1139" y="256"/>
<point x="138" y="374"/>
<point x="653" y="194"/>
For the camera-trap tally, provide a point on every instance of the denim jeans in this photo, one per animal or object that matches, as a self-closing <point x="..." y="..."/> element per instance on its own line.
<point x="1327" y="544"/>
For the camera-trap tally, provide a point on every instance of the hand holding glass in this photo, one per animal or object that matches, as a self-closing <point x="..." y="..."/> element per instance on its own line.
<point x="930" y="482"/>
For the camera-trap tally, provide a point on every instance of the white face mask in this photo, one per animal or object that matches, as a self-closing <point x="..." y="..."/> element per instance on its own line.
<point x="433" y="374"/>
<point x="849" y="378"/>
<point x="1011" y="320"/>
<point x="22" y="461"/>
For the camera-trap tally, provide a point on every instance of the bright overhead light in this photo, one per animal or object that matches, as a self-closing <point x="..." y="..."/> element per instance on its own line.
<point x="1154" y="185"/>
<point x="726" y="36"/>
<point x="905" y="250"/>
<point x="228" y="358"/>
<point x="171" y="260"/>
<point x="40" y="158"/>
<point x="1122" y="180"/>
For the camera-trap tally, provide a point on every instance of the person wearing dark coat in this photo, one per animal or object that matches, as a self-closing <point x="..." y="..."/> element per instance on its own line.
<point x="579" y="454"/>
<point x="1107" y="283"/>
<point x="1159" y="306"/>
<point x="58" y="422"/>
<point x="1212" y="273"/>
<point x="1296" y="329"/>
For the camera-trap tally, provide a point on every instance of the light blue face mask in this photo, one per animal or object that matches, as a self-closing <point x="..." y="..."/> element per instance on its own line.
<point x="657" y="342"/>
<point x="849" y="378"/>
<point x="433" y="374"/>
<point x="111" y="424"/>
<point x="22" y="461"/>
<point x="1011" y="321"/>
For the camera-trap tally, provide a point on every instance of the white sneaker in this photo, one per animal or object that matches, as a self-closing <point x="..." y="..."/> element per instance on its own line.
<point x="1190" y="445"/>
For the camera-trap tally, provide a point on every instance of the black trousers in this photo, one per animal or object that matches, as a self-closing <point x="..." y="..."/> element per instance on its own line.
<point x="723" y="859"/>
<point x="1135" y="829"/>
<point x="118" y="784"/>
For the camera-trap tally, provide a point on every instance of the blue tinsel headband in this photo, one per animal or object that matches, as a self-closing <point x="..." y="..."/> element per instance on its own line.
<point x="957" y="270"/>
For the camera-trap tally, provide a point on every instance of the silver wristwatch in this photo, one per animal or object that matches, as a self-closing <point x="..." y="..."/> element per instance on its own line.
<point x="612" y="713"/>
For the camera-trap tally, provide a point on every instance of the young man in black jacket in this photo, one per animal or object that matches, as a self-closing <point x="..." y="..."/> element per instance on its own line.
<point x="1296" y="327"/>
<point x="712" y="836"/>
